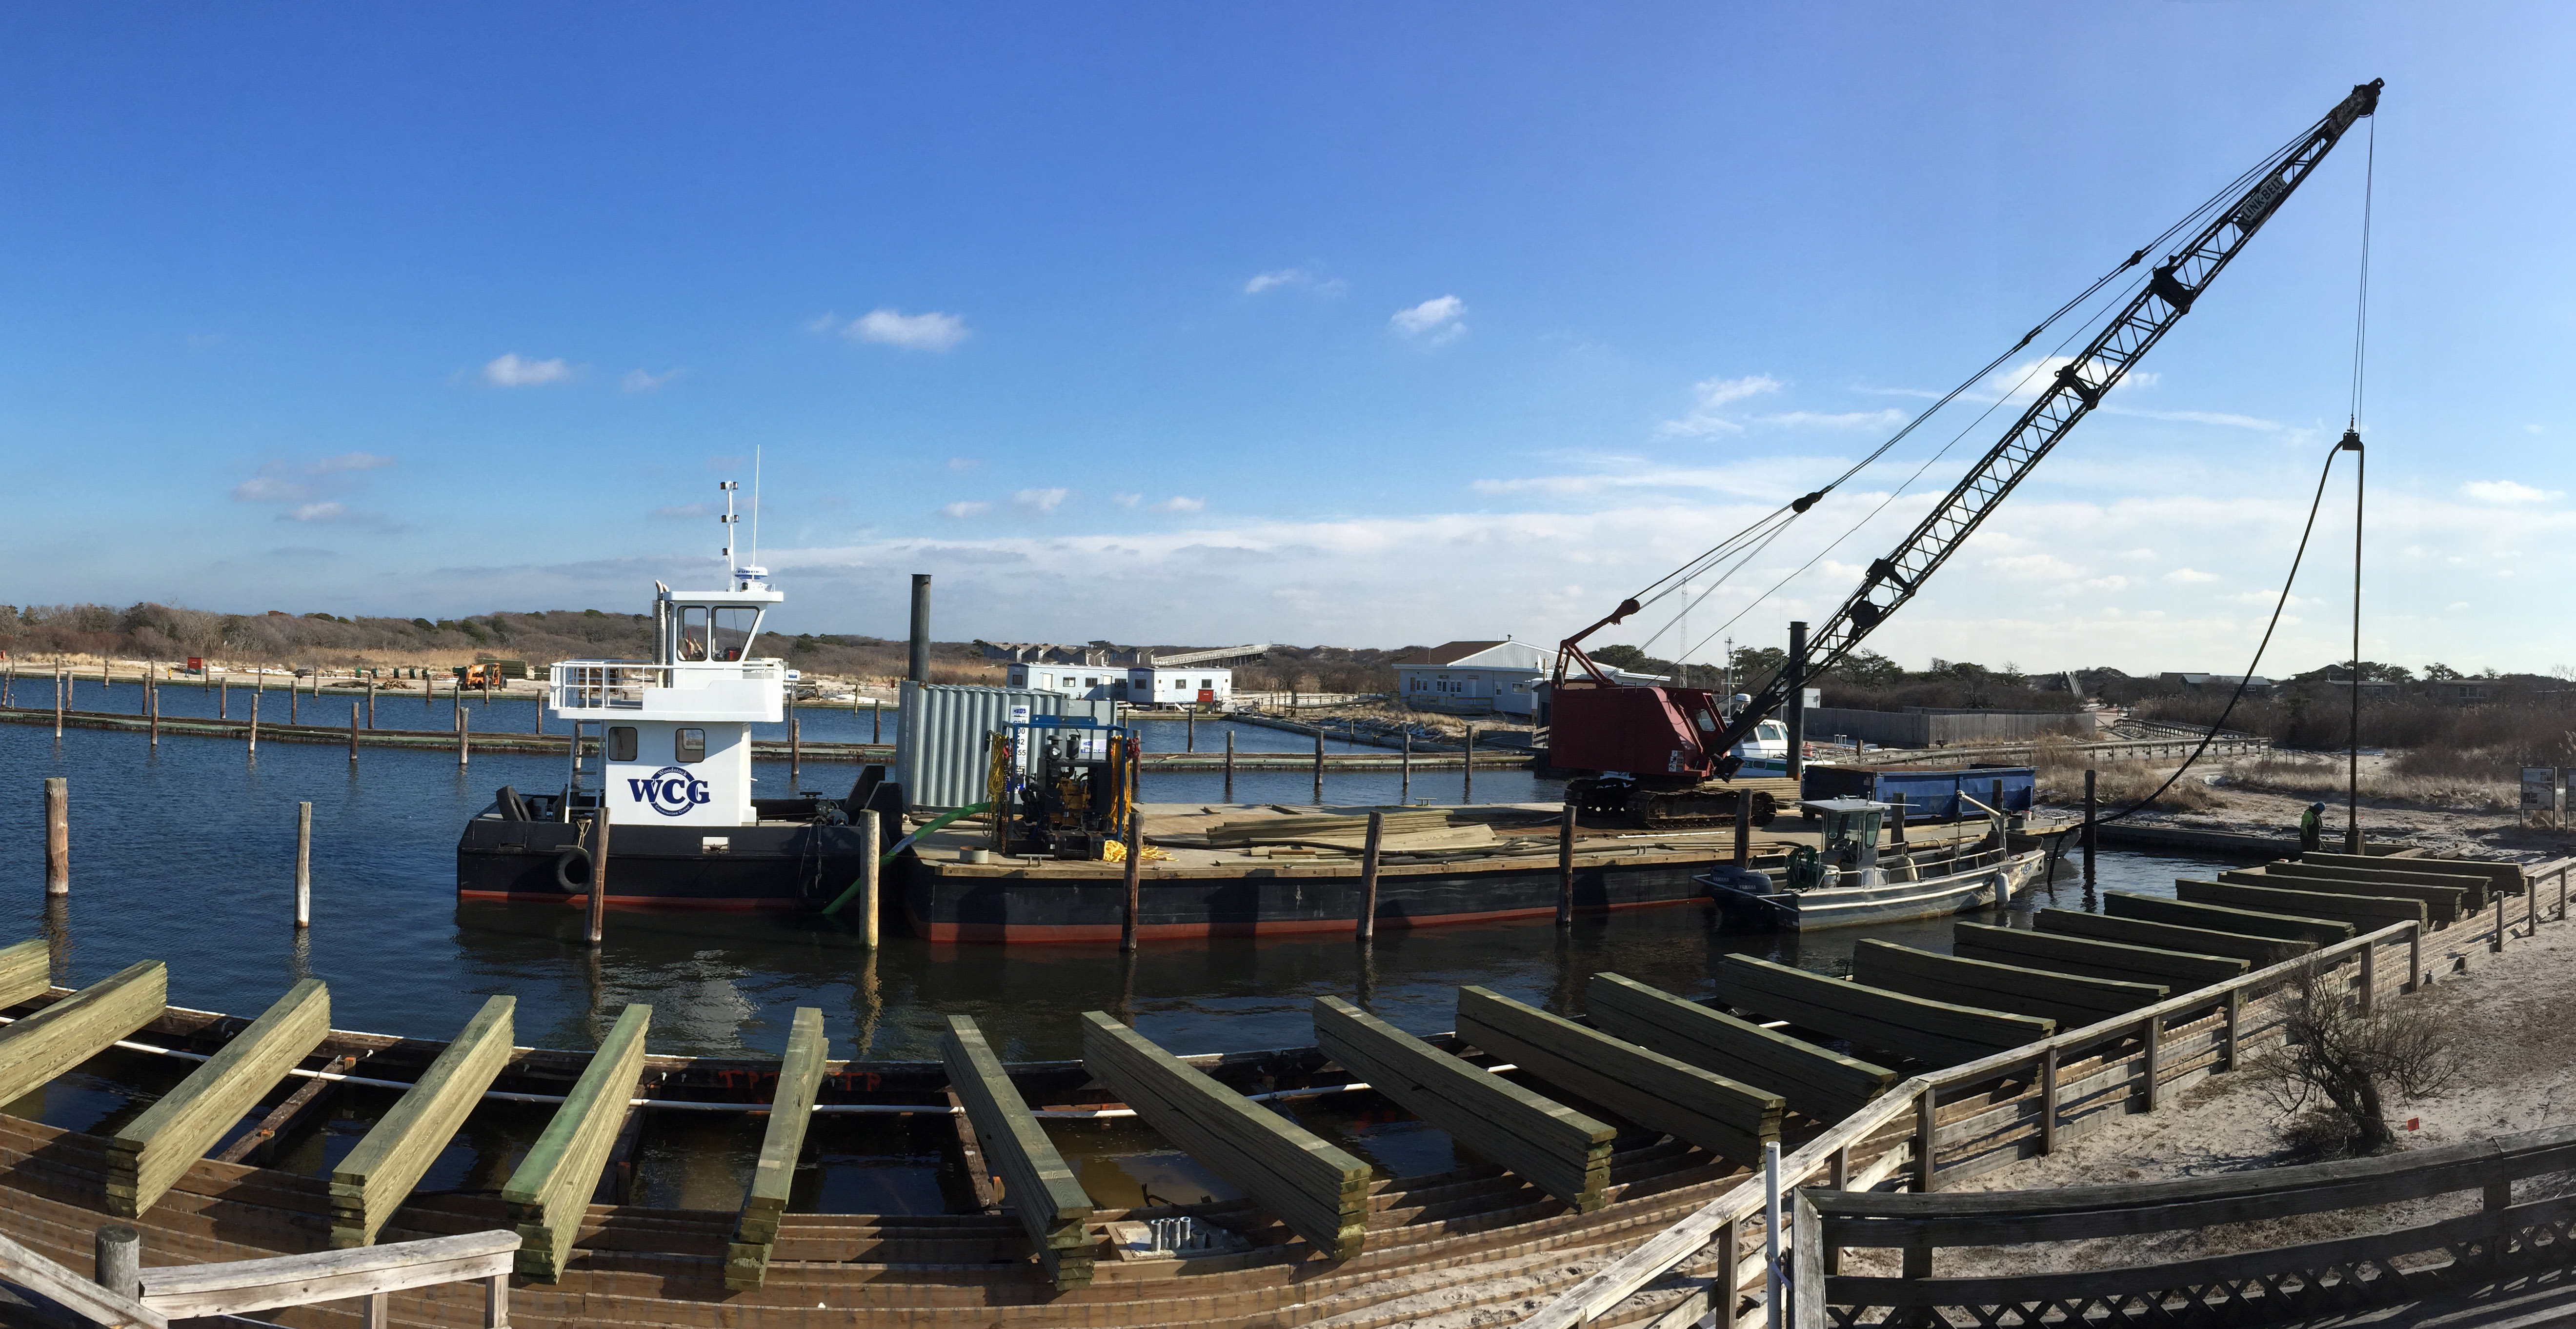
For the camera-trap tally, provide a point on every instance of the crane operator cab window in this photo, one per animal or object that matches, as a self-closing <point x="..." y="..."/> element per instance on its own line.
<point x="731" y="639"/>
<point x="693" y="633"/>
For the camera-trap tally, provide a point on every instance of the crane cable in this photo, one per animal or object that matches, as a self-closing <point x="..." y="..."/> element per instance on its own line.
<point x="2360" y="346"/>
<point x="1791" y="511"/>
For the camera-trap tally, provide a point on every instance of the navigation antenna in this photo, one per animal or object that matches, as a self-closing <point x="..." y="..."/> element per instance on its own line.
<point x="728" y="486"/>
<point x="755" y="506"/>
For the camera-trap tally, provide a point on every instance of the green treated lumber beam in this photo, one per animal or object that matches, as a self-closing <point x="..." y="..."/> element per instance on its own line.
<point x="2221" y="918"/>
<point x="551" y="1191"/>
<point x="2366" y="913"/>
<point x="1723" y="1116"/>
<point x="2474" y="891"/>
<point x="782" y="1142"/>
<point x="2505" y="877"/>
<point x="378" y="1176"/>
<point x="1933" y="1031"/>
<point x="2070" y="999"/>
<point x="26" y="971"/>
<point x="63" y="1035"/>
<point x="155" y="1149"/>
<point x="1037" y="1183"/>
<point x="1320" y="1192"/>
<point x="1817" y="1082"/>
<point x="1552" y="1146"/>
<point x="2260" y="952"/>
<point x="2441" y="903"/>
<point x="2088" y="958"/>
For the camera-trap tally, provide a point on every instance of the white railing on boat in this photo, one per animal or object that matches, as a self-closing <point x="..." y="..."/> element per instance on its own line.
<point x="620" y="684"/>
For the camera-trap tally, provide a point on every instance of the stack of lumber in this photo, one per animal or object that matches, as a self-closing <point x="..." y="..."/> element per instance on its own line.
<point x="1406" y="830"/>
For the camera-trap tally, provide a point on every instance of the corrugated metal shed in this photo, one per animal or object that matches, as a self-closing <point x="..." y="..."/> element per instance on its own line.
<point x="941" y="736"/>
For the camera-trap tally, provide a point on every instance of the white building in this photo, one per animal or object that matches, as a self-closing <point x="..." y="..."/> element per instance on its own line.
<point x="1475" y="677"/>
<point x="1179" y="685"/>
<point x="1157" y="685"/>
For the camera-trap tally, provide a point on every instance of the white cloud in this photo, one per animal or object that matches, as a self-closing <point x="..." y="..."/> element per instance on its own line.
<point x="1126" y="500"/>
<point x="2252" y="422"/>
<point x="2188" y="575"/>
<point x="511" y="371"/>
<point x="1434" y="321"/>
<point x="1043" y="500"/>
<point x="912" y="332"/>
<point x="1888" y="419"/>
<point x="2533" y="429"/>
<point x="1711" y="394"/>
<point x="963" y="463"/>
<point x="1298" y="277"/>
<point x="269" y="489"/>
<point x="314" y="512"/>
<point x="1179" y="503"/>
<point x="350" y="461"/>
<point x="965" y="508"/>
<point x="2506" y="491"/>
<point x="638" y="380"/>
<point x="823" y="322"/>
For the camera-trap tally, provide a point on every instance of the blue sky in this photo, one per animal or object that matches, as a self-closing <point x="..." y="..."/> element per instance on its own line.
<point x="1358" y="324"/>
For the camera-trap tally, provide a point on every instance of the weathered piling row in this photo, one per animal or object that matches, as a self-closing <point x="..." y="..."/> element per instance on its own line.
<point x="1724" y="1116"/>
<point x="1555" y="1148"/>
<point x="377" y="1176"/>
<point x="2257" y="951"/>
<point x="1817" y="1082"/>
<point x="2442" y="904"/>
<point x="149" y="1152"/>
<point x="2071" y="1000"/>
<point x="782" y="1141"/>
<point x="2087" y="958"/>
<point x="550" y="1192"/>
<point x="66" y="1033"/>
<point x="2365" y="913"/>
<point x="1913" y="1026"/>
<point x="2225" y="918"/>
<point x="1318" y="1191"/>
<point x="1043" y="1190"/>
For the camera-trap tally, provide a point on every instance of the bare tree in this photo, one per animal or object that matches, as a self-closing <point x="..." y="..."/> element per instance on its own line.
<point x="2331" y="1080"/>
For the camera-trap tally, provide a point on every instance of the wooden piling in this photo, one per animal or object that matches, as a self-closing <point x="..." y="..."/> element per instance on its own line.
<point x="117" y="1260"/>
<point x="58" y="835"/>
<point x="871" y="875"/>
<point x="1135" y="865"/>
<point x="1744" y="828"/>
<point x="153" y="704"/>
<point x="2091" y="829"/>
<point x="1368" y="876"/>
<point x="1467" y="771"/>
<point x="1565" y="868"/>
<point x="1229" y="766"/>
<point x="254" y="723"/>
<point x="795" y="753"/>
<point x="353" y="733"/>
<point x="596" y="920"/>
<point x="1319" y="766"/>
<point x="1189" y="731"/>
<point x="59" y="690"/>
<point x="1404" y="777"/>
<point x="371" y="701"/>
<point x="464" y="722"/>
<point x="876" y="721"/>
<point x="303" y="865"/>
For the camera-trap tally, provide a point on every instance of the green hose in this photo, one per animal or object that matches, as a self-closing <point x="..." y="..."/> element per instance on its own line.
<point x="899" y="846"/>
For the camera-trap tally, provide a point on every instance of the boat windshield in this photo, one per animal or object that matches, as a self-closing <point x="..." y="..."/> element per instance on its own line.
<point x="733" y="629"/>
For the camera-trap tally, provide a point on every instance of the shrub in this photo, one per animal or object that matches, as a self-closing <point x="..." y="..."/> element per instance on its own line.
<point x="2331" y="1081"/>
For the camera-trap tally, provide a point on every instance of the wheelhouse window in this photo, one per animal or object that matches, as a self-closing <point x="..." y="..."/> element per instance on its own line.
<point x="733" y="627"/>
<point x="693" y="632"/>
<point x="689" y="745"/>
<point x="621" y="742"/>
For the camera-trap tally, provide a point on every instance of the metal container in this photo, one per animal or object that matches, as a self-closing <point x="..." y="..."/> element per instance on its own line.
<point x="943" y="734"/>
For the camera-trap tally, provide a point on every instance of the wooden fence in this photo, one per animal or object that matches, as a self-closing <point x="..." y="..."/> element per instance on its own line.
<point x="1999" y="1109"/>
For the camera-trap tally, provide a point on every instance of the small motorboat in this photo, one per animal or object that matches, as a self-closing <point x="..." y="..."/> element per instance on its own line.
<point x="1852" y="880"/>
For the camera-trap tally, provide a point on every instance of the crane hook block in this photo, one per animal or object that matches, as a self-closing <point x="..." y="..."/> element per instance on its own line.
<point x="1807" y="502"/>
<point x="2169" y="288"/>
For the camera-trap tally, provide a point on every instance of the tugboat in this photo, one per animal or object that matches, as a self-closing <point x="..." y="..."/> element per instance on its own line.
<point x="662" y="752"/>
<point x="1849" y="881"/>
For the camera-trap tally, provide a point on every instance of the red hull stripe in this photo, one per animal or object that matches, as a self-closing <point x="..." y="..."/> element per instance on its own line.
<point x="945" y="931"/>
<point x="640" y="901"/>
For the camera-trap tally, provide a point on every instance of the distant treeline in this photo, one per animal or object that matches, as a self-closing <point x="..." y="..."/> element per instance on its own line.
<point x="167" y="633"/>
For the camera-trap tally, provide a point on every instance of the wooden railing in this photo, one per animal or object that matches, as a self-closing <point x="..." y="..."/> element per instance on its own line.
<point x="2501" y="1238"/>
<point x="155" y="1297"/>
<point x="1996" y="1110"/>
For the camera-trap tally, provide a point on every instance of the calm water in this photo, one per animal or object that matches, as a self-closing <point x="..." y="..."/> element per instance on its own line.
<point x="187" y="855"/>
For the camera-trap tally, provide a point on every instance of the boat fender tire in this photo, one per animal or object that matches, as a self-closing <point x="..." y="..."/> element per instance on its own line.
<point x="565" y="874"/>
